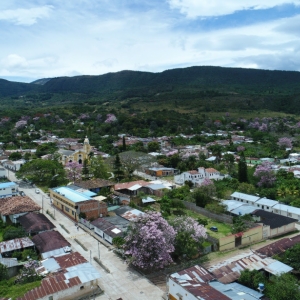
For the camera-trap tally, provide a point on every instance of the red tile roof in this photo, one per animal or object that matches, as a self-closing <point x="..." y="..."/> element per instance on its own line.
<point x="16" y="205"/>
<point x="193" y="172"/>
<point x="211" y="170"/>
<point x="70" y="260"/>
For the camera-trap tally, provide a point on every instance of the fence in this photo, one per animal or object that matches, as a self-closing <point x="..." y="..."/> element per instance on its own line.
<point x="207" y="213"/>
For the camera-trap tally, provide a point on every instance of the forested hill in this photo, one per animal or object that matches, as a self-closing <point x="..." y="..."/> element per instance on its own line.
<point x="138" y="84"/>
<point x="193" y="77"/>
<point x="9" y="88"/>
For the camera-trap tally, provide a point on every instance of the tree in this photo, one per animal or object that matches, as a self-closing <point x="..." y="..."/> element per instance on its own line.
<point x="238" y="225"/>
<point x="189" y="236"/>
<point x="242" y="169"/>
<point x="246" y="188"/>
<point x="153" y="146"/>
<point x="204" y="194"/>
<point x="46" y="148"/>
<point x="85" y="170"/>
<point x="118" y="241"/>
<point x="124" y="144"/>
<point x="284" y="143"/>
<point x="149" y="242"/>
<point x="265" y="175"/>
<point x="74" y="171"/>
<point x="229" y="162"/>
<point x="216" y="151"/>
<point x="283" y="287"/>
<point x="118" y="171"/>
<point x="3" y="272"/>
<point x="11" y="232"/>
<point x="98" y="168"/>
<point x="41" y="171"/>
<point x="292" y="257"/>
<point x="252" y="278"/>
<point x="15" y="156"/>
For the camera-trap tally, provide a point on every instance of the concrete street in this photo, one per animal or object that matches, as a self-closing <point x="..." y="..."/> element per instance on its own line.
<point x="122" y="281"/>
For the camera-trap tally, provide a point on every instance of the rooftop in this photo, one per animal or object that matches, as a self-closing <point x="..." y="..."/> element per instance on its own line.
<point x="15" y="244"/>
<point x="271" y="219"/>
<point x="35" y="222"/>
<point x="49" y="240"/>
<point x="71" y="195"/>
<point x="94" y="183"/>
<point x="7" y="184"/>
<point x="243" y="196"/>
<point x="16" y="205"/>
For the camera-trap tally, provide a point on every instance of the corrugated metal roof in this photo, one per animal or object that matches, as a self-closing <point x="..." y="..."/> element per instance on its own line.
<point x="229" y="270"/>
<point x="267" y="202"/>
<point x="236" y="291"/>
<point x="71" y="195"/>
<point x="232" y="204"/>
<point x="287" y="208"/>
<point x="7" y="184"/>
<point x="243" y="196"/>
<point x="244" y="210"/>
<point x="9" y="262"/>
<point x="278" y="268"/>
<point x="15" y="244"/>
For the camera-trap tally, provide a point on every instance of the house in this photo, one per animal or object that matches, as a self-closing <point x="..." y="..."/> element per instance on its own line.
<point x="13" y="165"/>
<point x="94" y="185"/>
<point x="70" y="276"/>
<point x="274" y="224"/>
<point x="161" y="171"/>
<point x="8" y="189"/>
<point x="78" y="155"/>
<point x="245" y="198"/>
<point x="34" y="223"/>
<point x="8" y="247"/>
<point x="132" y="215"/>
<point x="197" y="177"/>
<point x="148" y="200"/>
<point x="106" y="230"/>
<point x="13" y="207"/>
<point x="120" y="198"/>
<point x="198" y="283"/>
<point x="230" y="270"/>
<point x="3" y="173"/>
<point x="131" y="188"/>
<point x="72" y="203"/>
<point x="51" y="243"/>
<point x="12" y="266"/>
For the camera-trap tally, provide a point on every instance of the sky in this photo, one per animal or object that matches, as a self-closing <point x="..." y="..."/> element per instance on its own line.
<point x="53" y="38"/>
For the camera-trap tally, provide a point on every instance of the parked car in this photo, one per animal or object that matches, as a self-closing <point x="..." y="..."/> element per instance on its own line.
<point x="37" y="191"/>
<point x="214" y="228"/>
<point x="22" y="193"/>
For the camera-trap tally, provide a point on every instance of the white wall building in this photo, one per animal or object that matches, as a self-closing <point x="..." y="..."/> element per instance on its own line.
<point x="8" y="189"/>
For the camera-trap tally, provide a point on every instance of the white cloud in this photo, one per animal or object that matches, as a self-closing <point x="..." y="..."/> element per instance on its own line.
<point x="211" y="8"/>
<point x="23" y="16"/>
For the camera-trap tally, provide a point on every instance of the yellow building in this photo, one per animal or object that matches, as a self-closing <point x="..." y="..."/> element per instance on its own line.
<point x="79" y="155"/>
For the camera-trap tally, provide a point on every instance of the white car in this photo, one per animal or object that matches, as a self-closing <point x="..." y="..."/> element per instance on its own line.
<point x="37" y="191"/>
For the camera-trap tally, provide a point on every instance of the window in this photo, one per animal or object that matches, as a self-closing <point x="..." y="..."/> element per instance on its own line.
<point x="82" y="287"/>
<point x="267" y="207"/>
<point x="257" y="205"/>
<point x="73" y="212"/>
<point x="67" y="209"/>
<point x="50" y="297"/>
<point x="289" y="214"/>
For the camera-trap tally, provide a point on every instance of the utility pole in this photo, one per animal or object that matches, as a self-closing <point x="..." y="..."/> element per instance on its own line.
<point x="99" y="250"/>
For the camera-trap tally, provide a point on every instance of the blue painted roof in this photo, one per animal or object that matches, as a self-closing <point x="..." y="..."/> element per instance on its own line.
<point x="71" y="194"/>
<point x="89" y="193"/>
<point x="7" y="184"/>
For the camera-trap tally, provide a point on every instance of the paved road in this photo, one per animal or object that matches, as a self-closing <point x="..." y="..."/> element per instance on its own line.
<point x="121" y="282"/>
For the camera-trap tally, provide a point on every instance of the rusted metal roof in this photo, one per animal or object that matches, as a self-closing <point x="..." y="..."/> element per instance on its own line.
<point x="196" y="272"/>
<point x="35" y="222"/>
<point x="15" y="244"/>
<point x="278" y="247"/>
<point x="229" y="271"/>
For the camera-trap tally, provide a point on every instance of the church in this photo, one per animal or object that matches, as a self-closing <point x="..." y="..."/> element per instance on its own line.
<point x="78" y="156"/>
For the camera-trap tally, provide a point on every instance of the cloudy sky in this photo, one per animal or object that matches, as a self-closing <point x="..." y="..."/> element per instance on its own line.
<point x="48" y="38"/>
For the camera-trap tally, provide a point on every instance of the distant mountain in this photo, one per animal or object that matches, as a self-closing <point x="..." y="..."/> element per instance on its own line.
<point x="126" y="84"/>
<point x="197" y="77"/>
<point x="9" y="88"/>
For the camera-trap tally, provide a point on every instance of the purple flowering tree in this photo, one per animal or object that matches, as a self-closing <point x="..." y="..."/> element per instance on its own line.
<point x="240" y="149"/>
<point x="284" y="143"/>
<point x="110" y="118"/>
<point x="265" y="175"/>
<point x="190" y="236"/>
<point x="73" y="171"/>
<point x="149" y="242"/>
<point x="206" y="182"/>
<point x="20" y="124"/>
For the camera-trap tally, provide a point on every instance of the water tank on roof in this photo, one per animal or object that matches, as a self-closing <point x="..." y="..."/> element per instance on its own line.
<point x="261" y="287"/>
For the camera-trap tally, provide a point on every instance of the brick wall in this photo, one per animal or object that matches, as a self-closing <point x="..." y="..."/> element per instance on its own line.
<point x="93" y="209"/>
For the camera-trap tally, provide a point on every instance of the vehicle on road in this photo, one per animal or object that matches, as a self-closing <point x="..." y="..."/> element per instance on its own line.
<point x="214" y="228"/>
<point x="37" y="191"/>
<point x="22" y="193"/>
